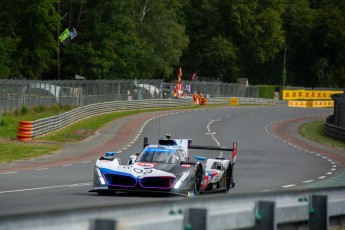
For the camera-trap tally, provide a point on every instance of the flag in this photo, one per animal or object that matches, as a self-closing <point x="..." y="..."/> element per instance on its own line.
<point x="193" y="76"/>
<point x="179" y="75"/>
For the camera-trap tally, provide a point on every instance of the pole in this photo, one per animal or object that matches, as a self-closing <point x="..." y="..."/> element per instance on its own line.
<point x="58" y="44"/>
<point x="284" y="69"/>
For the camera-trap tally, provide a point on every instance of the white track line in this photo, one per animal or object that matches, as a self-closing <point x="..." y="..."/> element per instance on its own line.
<point x="42" y="188"/>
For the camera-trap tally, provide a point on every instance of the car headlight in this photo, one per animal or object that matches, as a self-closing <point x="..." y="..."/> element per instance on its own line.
<point x="179" y="182"/>
<point x="99" y="175"/>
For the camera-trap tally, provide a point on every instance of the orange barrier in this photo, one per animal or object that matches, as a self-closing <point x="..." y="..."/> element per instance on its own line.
<point x="203" y="101"/>
<point x="24" y="131"/>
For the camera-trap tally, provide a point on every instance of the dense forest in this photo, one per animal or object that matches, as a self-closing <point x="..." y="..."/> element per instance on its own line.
<point x="282" y="42"/>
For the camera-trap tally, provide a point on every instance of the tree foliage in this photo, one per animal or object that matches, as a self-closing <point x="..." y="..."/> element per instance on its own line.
<point x="217" y="40"/>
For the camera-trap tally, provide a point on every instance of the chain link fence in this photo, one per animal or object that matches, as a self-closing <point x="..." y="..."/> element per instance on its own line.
<point x="15" y="94"/>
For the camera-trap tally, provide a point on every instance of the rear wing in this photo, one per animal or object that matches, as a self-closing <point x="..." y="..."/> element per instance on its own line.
<point x="216" y="148"/>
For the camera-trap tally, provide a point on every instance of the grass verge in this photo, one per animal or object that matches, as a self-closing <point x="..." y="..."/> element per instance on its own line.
<point x="314" y="131"/>
<point x="87" y="127"/>
<point x="12" y="150"/>
<point x="9" y="121"/>
<point x="24" y="151"/>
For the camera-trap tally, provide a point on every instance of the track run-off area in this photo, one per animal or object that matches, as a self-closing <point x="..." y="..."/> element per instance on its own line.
<point x="271" y="156"/>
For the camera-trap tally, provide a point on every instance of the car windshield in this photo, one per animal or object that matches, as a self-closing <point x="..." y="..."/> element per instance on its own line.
<point x="158" y="155"/>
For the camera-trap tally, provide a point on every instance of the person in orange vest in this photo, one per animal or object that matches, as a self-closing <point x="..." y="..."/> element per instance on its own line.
<point x="195" y="98"/>
<point x="200" y="96"/>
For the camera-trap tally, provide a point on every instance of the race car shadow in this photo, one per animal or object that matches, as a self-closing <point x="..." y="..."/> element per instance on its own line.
<point x="138" y="194"/>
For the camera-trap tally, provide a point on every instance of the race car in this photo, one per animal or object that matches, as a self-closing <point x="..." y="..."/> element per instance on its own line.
<point x="165" y="168"/>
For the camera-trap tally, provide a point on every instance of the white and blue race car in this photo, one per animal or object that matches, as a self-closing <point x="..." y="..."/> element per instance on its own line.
<point x="165" y="168"/>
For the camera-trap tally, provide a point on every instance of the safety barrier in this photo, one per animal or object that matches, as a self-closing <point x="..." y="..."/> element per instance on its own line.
<point x="306" y="209"/>
<point x="203" y="101"/>
<point x="24" y="131"/>
<point x="332" y="130"/>
<point x="245" y="101"/>
<point x="311" y="104"/>
<point x="303" y="94"/>
<point x="49" y="124"/>
<point x="334" y="125"/>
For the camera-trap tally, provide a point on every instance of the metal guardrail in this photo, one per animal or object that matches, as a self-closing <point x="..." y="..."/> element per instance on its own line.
<point x="49" y="124"/>
<point x="46" y="125"/>
<point x="316" y="209"/>
<point x="246" y="100"/>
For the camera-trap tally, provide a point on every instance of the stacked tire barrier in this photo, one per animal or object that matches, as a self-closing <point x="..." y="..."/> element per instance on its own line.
<point x="24" y="131"/>
<point x="335" y="124"/>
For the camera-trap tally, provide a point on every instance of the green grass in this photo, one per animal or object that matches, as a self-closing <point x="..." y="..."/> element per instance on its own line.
<point x="12" y="150"/>
<point x="314" y="131"/>
<point x="9" y="121"/>
<point x="86" y="127"/>
<point x="23" y="151"/>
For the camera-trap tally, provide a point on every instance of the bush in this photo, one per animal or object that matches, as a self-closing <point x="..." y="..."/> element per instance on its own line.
<point x="24" y="110"/>
<point x="267" y="91"/>
<point x="39" y="109"/>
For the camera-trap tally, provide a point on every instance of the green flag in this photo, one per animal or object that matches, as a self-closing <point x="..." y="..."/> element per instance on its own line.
<point x="64" y="35"/>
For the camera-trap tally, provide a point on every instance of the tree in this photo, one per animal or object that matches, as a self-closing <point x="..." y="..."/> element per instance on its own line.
<point x="161" y="35"/>
<point x="253" y="27"/>
<point x="35" y="26"/>
<point x="221" y="56"/>
<point x="107" y="46"/>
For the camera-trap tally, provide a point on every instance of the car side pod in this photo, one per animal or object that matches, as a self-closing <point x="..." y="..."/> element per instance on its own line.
<point x="201" y="158"/>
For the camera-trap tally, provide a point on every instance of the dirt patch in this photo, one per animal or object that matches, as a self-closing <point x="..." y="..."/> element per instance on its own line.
<point x="80" y="134"/>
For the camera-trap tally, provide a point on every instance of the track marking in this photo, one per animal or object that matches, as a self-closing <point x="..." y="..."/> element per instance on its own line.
<point x="41" y="169"/>
<point x="329" y="173"/>
<point x="50" y="187"/>
<point x="6" y="173"/>
<point x="212" y="133"/>
<point x="289" y="186"/>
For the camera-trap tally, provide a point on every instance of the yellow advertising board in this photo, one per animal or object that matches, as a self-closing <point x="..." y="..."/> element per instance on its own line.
<point x="234" y="101"/>
<point x="309" y="94"/>
<point x="293" y="94"/>
<point x="311" y="104"/>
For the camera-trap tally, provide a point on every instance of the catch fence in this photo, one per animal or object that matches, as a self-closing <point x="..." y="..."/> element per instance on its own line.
<point x="16" y="94"/>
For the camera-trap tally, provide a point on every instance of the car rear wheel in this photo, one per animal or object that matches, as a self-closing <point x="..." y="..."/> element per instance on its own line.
<point x="229" y="181"/>
<point x="197" y="181"/>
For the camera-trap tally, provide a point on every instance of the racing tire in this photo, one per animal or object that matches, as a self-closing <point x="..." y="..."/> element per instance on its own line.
<point x="229" y="179"/>
<point x="197" y="181"/>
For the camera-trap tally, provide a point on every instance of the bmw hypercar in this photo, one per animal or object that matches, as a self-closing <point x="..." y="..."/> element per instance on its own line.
<point x="165" y="168"/>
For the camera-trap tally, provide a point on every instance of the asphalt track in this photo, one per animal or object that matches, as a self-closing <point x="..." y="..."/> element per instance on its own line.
<point x="271" y="156"/>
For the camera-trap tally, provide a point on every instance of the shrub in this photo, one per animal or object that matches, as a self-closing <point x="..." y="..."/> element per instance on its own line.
<point x="267" y="91"/>
<point x="24" y="110"/>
